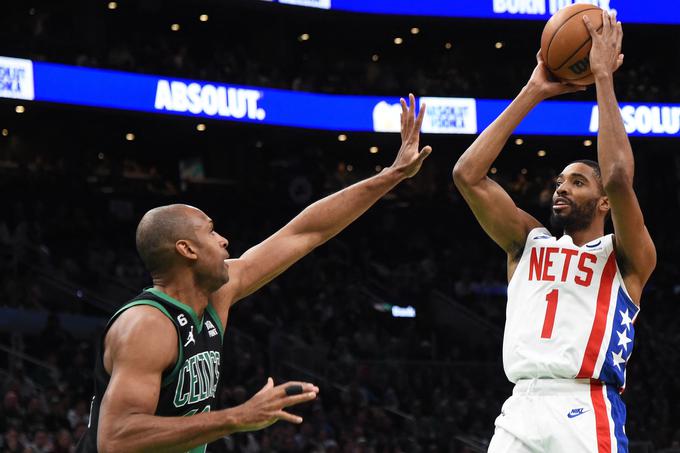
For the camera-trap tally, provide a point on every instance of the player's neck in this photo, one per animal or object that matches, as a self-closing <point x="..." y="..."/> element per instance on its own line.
<point x="587" y="235"/>
<point x="183" y="287"/>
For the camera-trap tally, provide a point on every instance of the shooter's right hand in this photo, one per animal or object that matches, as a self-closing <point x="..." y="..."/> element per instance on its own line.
<point x="545" y="85"/>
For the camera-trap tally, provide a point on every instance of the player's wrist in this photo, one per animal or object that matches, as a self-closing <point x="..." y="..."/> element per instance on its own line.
<point x="534" y="92"/>
<point x="233" y="420"/>
<point x="603" y="76"/>
<point x="394" y="174"/>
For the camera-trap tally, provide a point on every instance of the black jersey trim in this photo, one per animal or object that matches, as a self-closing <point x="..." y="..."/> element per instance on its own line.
<point x="184" y="307"/>
<point x="180" y="354"/>
<point x="213" y="313"/>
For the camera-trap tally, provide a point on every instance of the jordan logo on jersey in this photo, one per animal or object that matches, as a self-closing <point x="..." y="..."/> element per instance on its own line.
<point x="557" y="264"/>
<point x="190" y="337"/>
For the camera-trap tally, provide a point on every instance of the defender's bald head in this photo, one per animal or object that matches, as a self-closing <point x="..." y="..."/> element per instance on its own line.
<point x="160" y="229"/>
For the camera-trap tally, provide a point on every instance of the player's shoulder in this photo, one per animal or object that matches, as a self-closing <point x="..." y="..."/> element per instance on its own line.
<point x="142" y="332"/>
<point x="539" y="233"/>
<point x="144" y="315"/>
<point x="534" y="234"/>
<point x="142" y="322"/>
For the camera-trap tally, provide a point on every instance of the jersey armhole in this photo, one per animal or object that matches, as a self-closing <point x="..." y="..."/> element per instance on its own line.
<point x="543" y="231"/>
<point x="180" y="354"/>
<point x="621" y="261"/>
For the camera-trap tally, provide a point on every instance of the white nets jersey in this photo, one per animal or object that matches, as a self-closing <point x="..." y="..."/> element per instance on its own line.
<point x="568" y="313"/>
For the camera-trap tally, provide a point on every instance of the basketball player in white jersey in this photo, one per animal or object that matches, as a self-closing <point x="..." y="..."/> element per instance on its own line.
<point x="572" y="300"/>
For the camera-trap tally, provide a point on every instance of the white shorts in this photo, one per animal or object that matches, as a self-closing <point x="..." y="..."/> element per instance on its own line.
<point x="561" y="415"/>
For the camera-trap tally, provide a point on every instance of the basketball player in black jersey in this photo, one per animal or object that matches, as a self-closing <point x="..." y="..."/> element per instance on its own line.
<point x="160" y="359"/>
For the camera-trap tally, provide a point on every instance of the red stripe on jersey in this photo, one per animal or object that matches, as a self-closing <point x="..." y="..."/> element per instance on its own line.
<point x="604" y="443"/>
<point x="600" y="321"/>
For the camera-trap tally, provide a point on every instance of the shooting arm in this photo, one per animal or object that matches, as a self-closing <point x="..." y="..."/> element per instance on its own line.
<point x="634" y="247"/>
<point x="635" y="250"/>
<point x="496" y="212"/>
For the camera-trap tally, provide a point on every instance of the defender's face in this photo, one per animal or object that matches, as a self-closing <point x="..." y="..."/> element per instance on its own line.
<point x="577" y="194"/>
<point x="212" y="250"/>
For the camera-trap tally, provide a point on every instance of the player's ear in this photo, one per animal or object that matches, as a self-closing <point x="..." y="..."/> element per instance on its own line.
<point x="603" y="204"/>
<point x="186" y="249"/>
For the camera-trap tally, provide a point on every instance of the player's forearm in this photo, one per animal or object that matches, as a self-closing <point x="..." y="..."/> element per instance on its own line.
<point x="330" y="215"/>
<point x="149" y="433"/>
<point x="312" y="227"/>
<point x="614" y="152"/>
<point x="474" y="164"/>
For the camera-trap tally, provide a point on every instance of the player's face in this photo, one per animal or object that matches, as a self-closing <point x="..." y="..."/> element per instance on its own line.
<point x="212" y="251"/>
<point x="577" y="195"/>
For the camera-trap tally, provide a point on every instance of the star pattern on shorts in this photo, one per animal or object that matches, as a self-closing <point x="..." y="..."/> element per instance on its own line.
<point x="626" y="321"/>
<point x="618" y="359"/>
<point x="623" y="339"/>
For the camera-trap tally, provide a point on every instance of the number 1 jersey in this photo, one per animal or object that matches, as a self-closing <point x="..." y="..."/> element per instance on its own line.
<point x="568" y="313"/>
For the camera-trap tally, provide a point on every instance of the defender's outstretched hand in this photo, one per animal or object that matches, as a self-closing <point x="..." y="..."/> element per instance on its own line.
<point x="605" y="53"/>
<point x="409" y="159"/>
<point x="267" y="406"/>
<point x="545" y="83"/>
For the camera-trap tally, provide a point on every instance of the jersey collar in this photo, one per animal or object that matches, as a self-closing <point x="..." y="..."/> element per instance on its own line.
<point x="182" y="306"/>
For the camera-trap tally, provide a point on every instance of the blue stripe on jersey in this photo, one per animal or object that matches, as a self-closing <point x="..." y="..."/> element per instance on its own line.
<point x="619" y="417"/>
<point x="620" y="347"/>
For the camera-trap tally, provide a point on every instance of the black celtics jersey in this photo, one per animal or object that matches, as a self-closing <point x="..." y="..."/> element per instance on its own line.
<point x="187" y="388"/>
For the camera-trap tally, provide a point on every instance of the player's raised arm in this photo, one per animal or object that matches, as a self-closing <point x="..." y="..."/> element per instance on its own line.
<point x="496" y="212"/>
<point x="324" y="219"/>
<point x="140" y="346"/>
<point x="634" y="247"/>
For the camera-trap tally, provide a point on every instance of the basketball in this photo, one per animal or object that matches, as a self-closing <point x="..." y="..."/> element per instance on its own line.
<point x="565" y="43"/>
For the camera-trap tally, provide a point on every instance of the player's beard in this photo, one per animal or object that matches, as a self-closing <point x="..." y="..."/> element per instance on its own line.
<point x="579" y="218"/>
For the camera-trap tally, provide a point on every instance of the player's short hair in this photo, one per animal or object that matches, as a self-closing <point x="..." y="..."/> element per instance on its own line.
<point x="158" y="231"/>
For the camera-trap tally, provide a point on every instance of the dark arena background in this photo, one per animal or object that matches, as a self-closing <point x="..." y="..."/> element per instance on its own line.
<point x="399" y="319"/>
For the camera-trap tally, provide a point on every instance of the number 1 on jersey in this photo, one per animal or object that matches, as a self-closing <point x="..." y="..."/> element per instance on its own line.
<point x="550" y="311"/>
